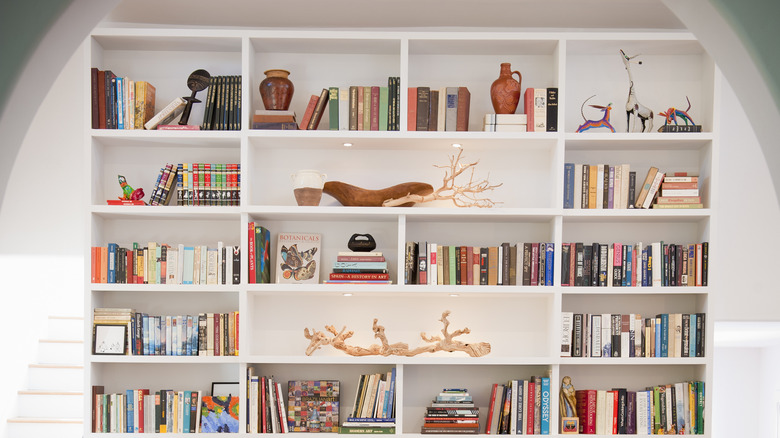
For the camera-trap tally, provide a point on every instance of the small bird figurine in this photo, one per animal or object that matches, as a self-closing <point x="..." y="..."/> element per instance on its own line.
<point x="128" y="191"/>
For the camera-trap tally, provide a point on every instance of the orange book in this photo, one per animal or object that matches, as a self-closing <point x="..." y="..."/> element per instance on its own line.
<point x="411" y="110"/>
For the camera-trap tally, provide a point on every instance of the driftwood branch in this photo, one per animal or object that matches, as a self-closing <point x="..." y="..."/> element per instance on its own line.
<point x="462" y="195"/>
<point x="434" y="343"/>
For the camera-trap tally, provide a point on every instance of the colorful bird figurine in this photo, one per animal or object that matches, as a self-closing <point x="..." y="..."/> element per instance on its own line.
<point x="128" y="192"/>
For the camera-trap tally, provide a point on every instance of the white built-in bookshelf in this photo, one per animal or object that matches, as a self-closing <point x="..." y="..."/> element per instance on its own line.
<point x="521" y="323"/>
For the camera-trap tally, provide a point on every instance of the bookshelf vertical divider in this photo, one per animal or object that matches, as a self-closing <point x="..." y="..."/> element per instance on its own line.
<point x="522" y="323"/>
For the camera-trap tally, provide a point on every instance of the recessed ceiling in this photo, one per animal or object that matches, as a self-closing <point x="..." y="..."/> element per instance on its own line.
<point x="418" y="14"/>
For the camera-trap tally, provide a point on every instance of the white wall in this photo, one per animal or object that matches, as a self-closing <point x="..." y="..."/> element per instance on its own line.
<point x="735" y="403"/>
<point x="42" y="225"/>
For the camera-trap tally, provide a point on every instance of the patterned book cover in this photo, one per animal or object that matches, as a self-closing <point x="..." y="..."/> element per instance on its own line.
<point x="299" y="258"/>
<point x="313" y="406"/>
<point x="219" y="415"/>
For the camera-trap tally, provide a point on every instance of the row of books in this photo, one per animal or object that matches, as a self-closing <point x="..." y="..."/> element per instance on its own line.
<point x="119" y="102"/>
<point x="222" y="110"/>
<point x="164" y="411"/>
<point x="631" y="265"/>
<point x="259" y="239"/>
<point x="161" y="263"/>
<point x="599" y="186"/>
<point x="670" y="409"/>
<point x="265" y="405"/>
<point x="452" y="411"/>
<point x="445" y="109"/>
<point x="374" y="400"/>
<point x="212" y="184"/>
<point x="365" y="108"/>
<point x="520" y="407"/>
<point x="527" y="263"/>
<point x="541" y="109"/>
<point x="631" y="335"/>
<point x="360" y="267"/>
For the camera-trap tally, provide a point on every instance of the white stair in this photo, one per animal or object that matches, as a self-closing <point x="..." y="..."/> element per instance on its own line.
<point x="52" y="405"/>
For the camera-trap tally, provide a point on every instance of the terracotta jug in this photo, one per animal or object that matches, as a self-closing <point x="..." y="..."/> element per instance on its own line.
<point x="505" y="91"/>
<point x="276" y="89"/>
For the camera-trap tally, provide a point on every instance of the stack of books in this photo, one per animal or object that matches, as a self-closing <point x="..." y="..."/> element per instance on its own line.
<point x="274" y="119"/>
<point x="360" y="267"/>
<point x="374" y="409"/>
<point x="452" y="411"/>
<point x="679" y="190"/>
<point x="505" y="123"/>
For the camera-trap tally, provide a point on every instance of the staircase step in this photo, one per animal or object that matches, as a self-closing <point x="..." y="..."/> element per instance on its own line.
<point x="66" y="327"/>
<point x="54" y="377"/>
<point x="50" y="404"/>
<point x="60" y="351"/>
<point x="44" y="428"/>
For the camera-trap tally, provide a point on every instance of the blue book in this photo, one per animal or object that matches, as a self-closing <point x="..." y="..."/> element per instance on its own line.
<point x="644" y="266"/>
<point x="658" y="336"/>
<point x="189" y="260"/>
<point x="649" y="273"/>
<point x="545" y="410"/>
<point x="629" y="249"/>
<point x="129" y="401"/>
<point x="568" y="185"/>
<point x="692" y="335"/>
<point x="664" y="335"/>
<point x="145" y="332"/>
<point x="186" y="412"/>
<point x="391" y="401"/>
<point x="112" y="248"/>
<point x="549" y="264"/>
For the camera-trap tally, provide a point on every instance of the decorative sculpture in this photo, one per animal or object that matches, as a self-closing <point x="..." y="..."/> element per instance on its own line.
<point x="601" y="123"/>
<point x="632" y="104"/>
<point x="128" y="192"/>
<point x="446" y="342"/>
<point x="671" y="124"/>
<point x="568" y="407"/>
<point x="198" y="81"/>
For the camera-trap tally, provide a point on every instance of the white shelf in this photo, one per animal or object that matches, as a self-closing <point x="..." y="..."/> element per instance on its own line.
<point x="522" y="323"/>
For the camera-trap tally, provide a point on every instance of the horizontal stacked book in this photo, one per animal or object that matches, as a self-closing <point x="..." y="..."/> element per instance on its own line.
<point x="274" y="119"/>
<point x="630" y="265"/>
<point x="119" y="102"/>
<point x="161" y="263"/>
<point x="212" y="184"/>
<point x="143" y="411"/>
<point x="360" y="267"/>
<point x="669" y="409"/>
<point x="445" y="109"/>
<point x="505" y="123"/>
<point x="632" y="335"/>
<point x="525" y="263"/>
<point x="520" y="407"/>
<point x="205" y="334"/>
<point x="222" y="107"/>
<point x="541" y="109"/>
<point x="451" y="412"/>
<point x="374" y="408"/>
<point x="265" y="404"/>
<point x="679" y="190"/>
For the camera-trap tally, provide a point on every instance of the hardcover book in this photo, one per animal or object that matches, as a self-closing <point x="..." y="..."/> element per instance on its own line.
<point x="299" y="258"/>
<point x="219" y="415"/>
<point x="313" y="406"/>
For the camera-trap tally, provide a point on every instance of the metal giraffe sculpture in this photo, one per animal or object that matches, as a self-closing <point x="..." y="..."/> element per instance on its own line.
<point x="632" y="104"/>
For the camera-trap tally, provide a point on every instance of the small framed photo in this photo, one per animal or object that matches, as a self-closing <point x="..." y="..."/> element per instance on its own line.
<point x="109" y="339"/>
<point x="570" y="425"/>
<point x="224" y="389"/>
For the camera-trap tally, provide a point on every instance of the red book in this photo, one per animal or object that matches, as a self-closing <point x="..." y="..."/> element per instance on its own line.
<point x="252" y="249"/>
<point x="141" y="409"/>
<point x="217" y="334"/>
<point x="586" y="410"/>
<point x="464" y="107"/>
<point x="375" y="108"/>
<point x="528" y="107"/>
<point x="490" y="412"/>
<point x="129" y="277"/>
<point x="529" y="424"/>
<point x="309" y="111"/>
<point x="534" y="264"/>
<point x="464" y="266"/>
<point x="679" y="185"/>
<point x="411" y="109"/>
<point x="573" y="263"/>
<point x="470" y="265"/>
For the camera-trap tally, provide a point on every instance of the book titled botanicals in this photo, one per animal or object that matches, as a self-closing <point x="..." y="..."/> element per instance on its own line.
<point x="313" y="405"/>
<point x="299" y="258"/>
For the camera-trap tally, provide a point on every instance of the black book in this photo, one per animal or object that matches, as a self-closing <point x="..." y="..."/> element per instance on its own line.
<point x="605" y="203"/>
<point x="527" y="264"/>
<point x="236" y="264"/>
<point x="587" y="265"/>
<point x="423" y="107"/>
<point x="631" y="189"/>
<point x="700" y="329"/>
<point x="577" y="329"/>
<point x="565" y="264"/>
<point x="542" y="262"/>
<point x="579" y="264"/>
<point x="483" y="266"/>
<point x="594" y="264"/>
<point x="552" y="109"/>
<point x="585" y="179"/>
<point x="616" y="325"/>
<point x="622" y="416"/>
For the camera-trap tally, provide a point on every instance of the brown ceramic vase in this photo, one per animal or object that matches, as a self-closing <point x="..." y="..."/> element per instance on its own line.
<point x="276" y="89"/>
<point x="505" y="91"/>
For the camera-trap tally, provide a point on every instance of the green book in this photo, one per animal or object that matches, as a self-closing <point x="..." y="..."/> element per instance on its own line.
<point x="383" y="107"/>
<point x="453" y="265"/>
<point x="333" y="108"/>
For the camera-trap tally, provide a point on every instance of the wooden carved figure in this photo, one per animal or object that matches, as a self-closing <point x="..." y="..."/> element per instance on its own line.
<point x="601" y="123"/>
<point x="632" y="104"/>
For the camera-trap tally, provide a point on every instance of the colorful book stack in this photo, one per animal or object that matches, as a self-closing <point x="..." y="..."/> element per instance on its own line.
<point x="445" y="109"/>
<point x="452" y="411"/>
<point x="632" y="335"/>
<point x="265" y="404"/>
<point x="119" y="102"/>
<point x="360" y="267"/>
<point x="520" y="407"/>
<point x="505" y="123"/>
<point x="671" y="409"/>
<point x="205" y="334"/>
<point x="679" y="190"/>
<point x="374" y="409"/>
<point x="213" y="184"/>
<point x="274" y="119"/>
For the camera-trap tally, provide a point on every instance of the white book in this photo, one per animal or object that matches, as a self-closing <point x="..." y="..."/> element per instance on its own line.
<point x="600" y="186"/>
<point x="657" y="263"/>
<point x="609" y="412"/>
<point x="643" y="412"/>
<point x="680" y="396"/>
<point x="212" y="266"/>
<point x="595" y="339"/>
<point x="172" y="266"/>
<point x="433" y="269"/>
<point x="567" y="319"/>
<point x="220" y="261"/>
<point x="625" y="185"/>
<point x="442" y="111"/>
<point x="513" y="409"/>
<point x="344" y="109"/>
<point x="540" y="110"/>
<point x="638" y="332"/>
<point x="606" y="335"/>
<point x="601" y="414"/>
<point x="204" y="264"/>
<point x="617" y="187"/>
<point x="577" y="185"/>
<point x="659" y="176"/>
